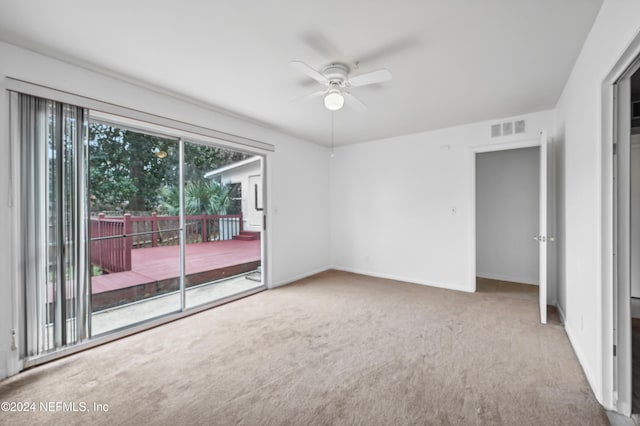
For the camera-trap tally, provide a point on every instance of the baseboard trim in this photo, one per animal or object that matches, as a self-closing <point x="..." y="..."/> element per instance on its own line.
<point x="576" y="350"/>
<point x="299" y="277"/>
<point x="519" y="280"/>
<point x="411" y="280"/>
<point x="561" y="313"/>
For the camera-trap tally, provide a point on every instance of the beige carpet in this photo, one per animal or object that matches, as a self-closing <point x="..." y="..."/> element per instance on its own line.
<point x="336" y="348"/>
<point x="507" y="289"/>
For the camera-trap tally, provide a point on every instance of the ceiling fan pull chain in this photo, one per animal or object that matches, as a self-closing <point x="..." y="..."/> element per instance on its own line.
<point x="332" y="133"/>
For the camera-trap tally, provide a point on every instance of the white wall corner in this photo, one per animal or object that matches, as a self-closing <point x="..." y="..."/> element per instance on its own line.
<point x="406" y="279"/>
<point x="299" y="277"/>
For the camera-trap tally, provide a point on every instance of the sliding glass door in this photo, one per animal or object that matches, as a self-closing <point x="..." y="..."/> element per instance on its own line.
<point x="135" y="251"/>
<point x="124" y="223"/>
<point x="223" y="253"/>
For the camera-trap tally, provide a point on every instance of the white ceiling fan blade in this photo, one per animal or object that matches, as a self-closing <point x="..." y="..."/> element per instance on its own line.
<point x="372" y="77"/>
<point x="354" y="102"/>
<point x="309" y="96"/>
<point x="306" y="69"/>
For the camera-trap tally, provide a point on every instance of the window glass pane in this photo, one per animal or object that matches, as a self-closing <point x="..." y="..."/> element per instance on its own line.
<point x="133" y="177"/>
<point x="222" y="254"/>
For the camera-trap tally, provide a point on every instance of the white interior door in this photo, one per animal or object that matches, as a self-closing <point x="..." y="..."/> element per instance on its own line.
<point x="542" y="232"/>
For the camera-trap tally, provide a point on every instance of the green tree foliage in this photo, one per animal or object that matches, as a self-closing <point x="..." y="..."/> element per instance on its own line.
<point x="208" y="197"/>
<point x="200" y="159"/>
<point x="127" y="174"/>
<point x="110" y="183"/>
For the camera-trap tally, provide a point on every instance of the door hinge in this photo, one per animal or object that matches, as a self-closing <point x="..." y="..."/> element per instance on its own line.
<point x="14" y="344"/>
<point x="264" y="222"/>
<point x="615" y="149"/>
<point x="615" y="350"/>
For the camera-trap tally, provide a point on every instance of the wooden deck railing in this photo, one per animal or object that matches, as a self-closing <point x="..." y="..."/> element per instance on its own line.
<point x="114" y="237"/>
<point x="110" y="248"/>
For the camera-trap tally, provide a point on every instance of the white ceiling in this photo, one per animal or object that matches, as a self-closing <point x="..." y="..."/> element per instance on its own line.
<point x="453" y="61"/>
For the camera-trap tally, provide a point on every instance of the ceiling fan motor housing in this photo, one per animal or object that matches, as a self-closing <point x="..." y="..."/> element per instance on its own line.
<point x="336" y="74"/>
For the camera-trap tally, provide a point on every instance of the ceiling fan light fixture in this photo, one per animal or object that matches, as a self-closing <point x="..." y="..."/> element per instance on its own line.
<point x="333" y="100"/>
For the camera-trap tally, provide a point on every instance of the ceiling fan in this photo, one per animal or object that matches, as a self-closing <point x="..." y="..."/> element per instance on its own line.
<point x="337" y="81"/>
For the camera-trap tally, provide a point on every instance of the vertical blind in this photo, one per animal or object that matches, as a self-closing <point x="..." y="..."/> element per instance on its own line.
<point x="52" y="137"/>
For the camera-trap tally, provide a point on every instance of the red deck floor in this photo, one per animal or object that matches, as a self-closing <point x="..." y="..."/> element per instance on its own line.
<point x="162" y="263"/>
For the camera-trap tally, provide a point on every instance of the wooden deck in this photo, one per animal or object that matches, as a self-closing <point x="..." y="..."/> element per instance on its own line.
<point x="156" y="270"/>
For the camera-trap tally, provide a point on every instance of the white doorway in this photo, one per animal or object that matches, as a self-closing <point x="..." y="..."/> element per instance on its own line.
<point x="626" y="236"/>
<point x="507" y="215"/>
<point x="511" y="211"/>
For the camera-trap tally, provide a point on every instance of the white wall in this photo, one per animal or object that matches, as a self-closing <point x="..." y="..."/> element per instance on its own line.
<point x="584" y="302"/>
<point x="507" y="212"/>
<point x="297" y="175"/>
<point x="392" y="204"/>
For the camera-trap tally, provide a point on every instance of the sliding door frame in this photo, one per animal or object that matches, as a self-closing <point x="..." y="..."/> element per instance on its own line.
<point x="184" y="132"/>
<point x="615" y="316"/>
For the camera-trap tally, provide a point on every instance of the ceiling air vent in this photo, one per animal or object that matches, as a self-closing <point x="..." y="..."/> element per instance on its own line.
<point x="519" y="126"/>
<point x="496" y="130"/>
<point x="507" y="128"/>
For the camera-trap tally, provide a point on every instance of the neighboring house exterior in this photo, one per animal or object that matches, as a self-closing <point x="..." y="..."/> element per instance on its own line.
<point x="248" y="174"/>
